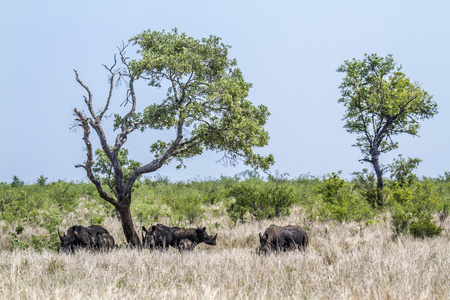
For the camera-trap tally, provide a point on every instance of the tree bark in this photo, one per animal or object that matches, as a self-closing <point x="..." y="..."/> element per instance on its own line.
<point x="128" y="227"/>
<point x="379" y="173"/>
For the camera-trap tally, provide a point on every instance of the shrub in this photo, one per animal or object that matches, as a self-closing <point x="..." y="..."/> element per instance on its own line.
<point x="402" y="170"/>
<point x="64" y="194"/>
<point x="17" y="182"/>
<point x="185" y="208"/>
<point x="365" y="183"/>
<point x="42" y="181"/>
<point x="148" y="212"/>
<point x="339" y="203"/>
<point x="424" y="227"/>
<point x="260" y="199"/>
<point x="413" y="210"/>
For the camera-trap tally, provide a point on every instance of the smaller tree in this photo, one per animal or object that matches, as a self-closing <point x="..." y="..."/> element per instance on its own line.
<point x="42" y="181"/>
<point x="401" y="170"/>
<point x="17" y="182"/>
<point x="381" y="102"/>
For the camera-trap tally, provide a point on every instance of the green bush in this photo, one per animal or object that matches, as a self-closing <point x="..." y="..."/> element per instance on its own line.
<point x="413" y="210"/>
<point x="64" y="194"/>
<point x="365" y="183"/>
<point x="402" y="170"/>
<point x="424" y="227"/>
<point x="148" y="212"/>
<point x="340" y="204"/>
<point x="260" y="199"/>
<point x="17" y="182"/>
<point x="185" y="208"/>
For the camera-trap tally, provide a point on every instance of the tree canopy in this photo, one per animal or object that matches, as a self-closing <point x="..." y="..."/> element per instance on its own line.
<point x="381" y="103"/>
<point x="206" y="101"/>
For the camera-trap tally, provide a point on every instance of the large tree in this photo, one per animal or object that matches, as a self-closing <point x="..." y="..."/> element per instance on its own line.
<point x="206" y="108"/>
<point x="381" y="102"/>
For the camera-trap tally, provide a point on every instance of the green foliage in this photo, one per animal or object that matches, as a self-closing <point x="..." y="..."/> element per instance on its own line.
<point x="19" y="204"/>
<point x="425" y="227"/>
<point x="380" y="99"/>
<point x="207" y="93"/>
<point x="157" y="180"/>
<point x="401" y="170"/>
<point x="32" y="214"/>
<point x="37" y="242"/>
<point x="305" y="190"/>
<point x="37" y="206"/>
<point x="148" y="212"/>
<point x="103" y="166"/>
<point x="64" y="193"/>
<point x="413" y="210"/>
<point x="185" y="208"/>
<point x="260" y="200"/>
<point x="381" y="102"/>
<point x="17" y="182"/>
<point x="340" y="204"/>
<point x="42" y="181"/>
<point x="365" y="183"/>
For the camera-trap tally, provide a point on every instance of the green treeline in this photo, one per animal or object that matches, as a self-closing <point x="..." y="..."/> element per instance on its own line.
<point x="414" y="206"/>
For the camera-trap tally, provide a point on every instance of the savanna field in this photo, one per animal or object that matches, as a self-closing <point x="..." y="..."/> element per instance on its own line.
<point x="357" y="249"/>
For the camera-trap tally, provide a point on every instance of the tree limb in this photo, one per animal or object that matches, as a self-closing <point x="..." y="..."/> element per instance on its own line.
<point x="83" y="122"/>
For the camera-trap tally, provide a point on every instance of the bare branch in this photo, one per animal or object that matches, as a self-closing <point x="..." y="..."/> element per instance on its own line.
<point x="88" y="101"/>
<point x="84" y="123"/>
<point x="111" y="86"/>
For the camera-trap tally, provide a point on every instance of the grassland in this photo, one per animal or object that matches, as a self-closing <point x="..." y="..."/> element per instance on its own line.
<point x="343" y="261"/>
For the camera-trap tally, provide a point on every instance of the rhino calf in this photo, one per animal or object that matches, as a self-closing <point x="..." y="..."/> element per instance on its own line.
<point x="186" y="245"/>
<point x="195" y="235"/>
<point x="102" y="242"/>
<point x="79" y="237"/>
<point x="157" y="237"/>
<point x="161" y="236"/>
<point x="282" y="238"/>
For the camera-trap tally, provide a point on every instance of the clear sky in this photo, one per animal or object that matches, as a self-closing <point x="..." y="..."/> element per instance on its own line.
<point x="289" y="50"/>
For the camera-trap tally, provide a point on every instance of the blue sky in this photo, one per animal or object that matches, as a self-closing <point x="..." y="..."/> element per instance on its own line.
<point x="289" y="50"/>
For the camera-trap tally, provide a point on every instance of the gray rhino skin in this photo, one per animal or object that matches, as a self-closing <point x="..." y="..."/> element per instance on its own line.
<point x="161" y="236"/>
<point x="102" y="241"/>
<point x="186" y="245"/>
<point x="282" y="238"/>
<point x="79" y="237"/>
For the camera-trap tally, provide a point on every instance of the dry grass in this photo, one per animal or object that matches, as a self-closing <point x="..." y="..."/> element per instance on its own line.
<point x="343" y="261"/>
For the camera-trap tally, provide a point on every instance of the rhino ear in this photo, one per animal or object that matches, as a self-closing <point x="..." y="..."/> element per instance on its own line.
<point x="261" y="238"/>
<point x="200" y="230"/>
<point x="153" y="227"/>
<point x="143" y="229"/>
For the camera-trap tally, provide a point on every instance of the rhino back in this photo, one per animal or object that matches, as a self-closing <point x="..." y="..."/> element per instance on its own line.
<point x="93" y="229"/>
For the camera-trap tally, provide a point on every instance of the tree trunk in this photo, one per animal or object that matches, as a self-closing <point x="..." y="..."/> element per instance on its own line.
<point x="379" y="174"/>
<point x="128" y="227"/>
